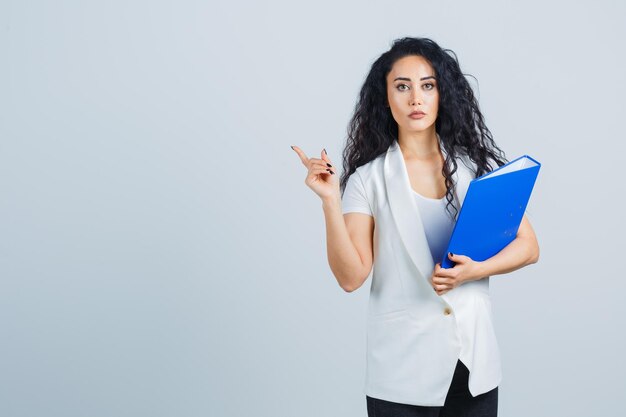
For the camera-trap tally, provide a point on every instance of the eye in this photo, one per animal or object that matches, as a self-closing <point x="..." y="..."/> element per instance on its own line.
<point x="431" y="86"/>
<point x="401" y="85"/>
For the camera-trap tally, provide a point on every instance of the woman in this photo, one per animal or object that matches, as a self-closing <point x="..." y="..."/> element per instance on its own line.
<point x="416" y="140"/>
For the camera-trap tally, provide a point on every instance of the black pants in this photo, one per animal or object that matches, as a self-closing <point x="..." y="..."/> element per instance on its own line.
<point x="459" y="402"/>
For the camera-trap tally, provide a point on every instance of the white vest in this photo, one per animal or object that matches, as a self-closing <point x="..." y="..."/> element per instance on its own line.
<point x="413" y="337"/>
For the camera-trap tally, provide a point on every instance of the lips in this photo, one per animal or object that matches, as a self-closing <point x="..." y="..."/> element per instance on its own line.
<point x="417" y="115"/>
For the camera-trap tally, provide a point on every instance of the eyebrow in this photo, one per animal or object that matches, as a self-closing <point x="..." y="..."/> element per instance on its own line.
<point x="421" y="79"/>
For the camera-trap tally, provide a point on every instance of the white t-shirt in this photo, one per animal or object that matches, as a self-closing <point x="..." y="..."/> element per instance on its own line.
<point x="354" y="199"/>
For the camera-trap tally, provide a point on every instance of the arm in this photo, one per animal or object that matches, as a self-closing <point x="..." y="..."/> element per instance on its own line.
<point x="522" y="251"/>
<point x="349" y="240"/>
<point x="349" y="236"/>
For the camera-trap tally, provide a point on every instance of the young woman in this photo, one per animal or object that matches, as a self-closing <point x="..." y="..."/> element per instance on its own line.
<point x="416" y="140"/>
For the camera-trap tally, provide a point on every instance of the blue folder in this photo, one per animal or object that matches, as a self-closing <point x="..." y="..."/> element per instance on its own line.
<point x="492" y="210"/>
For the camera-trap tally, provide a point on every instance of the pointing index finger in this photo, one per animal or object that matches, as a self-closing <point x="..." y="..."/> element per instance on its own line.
<point x="301" y="154"/>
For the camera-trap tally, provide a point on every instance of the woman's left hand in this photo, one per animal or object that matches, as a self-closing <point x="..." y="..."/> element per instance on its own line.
<point x="446" y="279"/>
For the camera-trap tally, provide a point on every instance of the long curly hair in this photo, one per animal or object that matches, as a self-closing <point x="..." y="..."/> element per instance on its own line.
<point x="460" y="124"/>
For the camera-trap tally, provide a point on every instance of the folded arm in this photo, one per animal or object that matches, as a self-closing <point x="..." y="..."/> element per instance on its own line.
<point x="522" y="251"/>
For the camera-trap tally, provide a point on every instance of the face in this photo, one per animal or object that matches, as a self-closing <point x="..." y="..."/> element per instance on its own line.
<point x="411" y="86"/>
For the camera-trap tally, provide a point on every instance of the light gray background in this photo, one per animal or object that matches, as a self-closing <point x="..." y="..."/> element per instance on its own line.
<point x="160" y="254"/>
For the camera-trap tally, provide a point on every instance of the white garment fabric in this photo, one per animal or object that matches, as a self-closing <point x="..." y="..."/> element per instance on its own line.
<point x="438" y="226"/>
<point x="415" y="336"/>
<point x="354" y="199"/>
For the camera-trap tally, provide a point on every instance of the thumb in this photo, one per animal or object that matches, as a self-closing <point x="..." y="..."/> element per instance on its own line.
<point x="456" y="258"/>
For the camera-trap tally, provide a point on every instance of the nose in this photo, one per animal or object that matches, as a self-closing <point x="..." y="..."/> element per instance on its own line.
<point x="415" y="98"/>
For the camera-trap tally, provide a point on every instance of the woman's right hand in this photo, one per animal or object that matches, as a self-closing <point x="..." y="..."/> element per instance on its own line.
<point x="322" y="176"/>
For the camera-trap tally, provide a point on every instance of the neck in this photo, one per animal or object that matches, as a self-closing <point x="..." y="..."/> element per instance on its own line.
<point x="419" y="145"/>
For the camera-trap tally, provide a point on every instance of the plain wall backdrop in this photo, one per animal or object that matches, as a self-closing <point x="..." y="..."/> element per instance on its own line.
<point x="160" y="254"/>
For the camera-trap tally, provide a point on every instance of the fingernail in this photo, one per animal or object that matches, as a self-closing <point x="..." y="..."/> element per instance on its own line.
<point x="451" y="254"/>
<point x="325" y="151"/>
<point x="328" y="165"/>
<point x="292" y="147"/>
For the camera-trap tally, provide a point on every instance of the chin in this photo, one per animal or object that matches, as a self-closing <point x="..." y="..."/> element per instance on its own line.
<point x="419" y="125"/>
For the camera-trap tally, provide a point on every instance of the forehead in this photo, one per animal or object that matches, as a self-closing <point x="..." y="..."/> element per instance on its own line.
<point x="412" y="66"/>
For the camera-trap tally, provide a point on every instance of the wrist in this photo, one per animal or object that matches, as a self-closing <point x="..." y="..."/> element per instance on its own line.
<point x="480" y="271"/>
<point x="331" y="202"/>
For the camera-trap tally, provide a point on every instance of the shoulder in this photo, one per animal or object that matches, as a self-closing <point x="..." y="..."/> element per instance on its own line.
<point x="464" y="162"/>
<point x="372" y="168"/>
